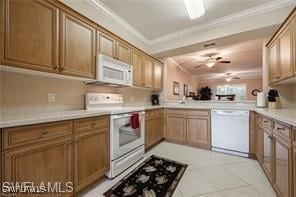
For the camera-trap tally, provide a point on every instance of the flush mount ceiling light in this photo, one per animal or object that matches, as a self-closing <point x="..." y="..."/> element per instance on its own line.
<point x="210" y="64"/>
<point x="195" y="8"/>
<point x="228" y="79"/>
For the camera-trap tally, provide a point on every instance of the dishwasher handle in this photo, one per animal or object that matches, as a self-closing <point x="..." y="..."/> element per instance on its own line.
<point x="230" y="112"/>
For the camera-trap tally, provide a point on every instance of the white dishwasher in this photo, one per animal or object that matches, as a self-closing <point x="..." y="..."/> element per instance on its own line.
<point x="230" y="131"/>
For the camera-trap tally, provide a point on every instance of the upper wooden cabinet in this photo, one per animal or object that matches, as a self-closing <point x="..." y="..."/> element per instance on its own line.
<point x="31" y="35"/>
<point x="282" y="49"/>
<point x="158" y="75"/>
<point x="274" y="72"/>
<point x="106" y="44"/>
<point x="78" y="52"/>
<point x="147" y="74"/>
<point x="123" y="52"/>
<point x="137" y="61"/>
<point x="109" y="45"/>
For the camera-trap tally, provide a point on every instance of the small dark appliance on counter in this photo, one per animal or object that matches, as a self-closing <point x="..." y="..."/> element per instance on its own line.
<point x="205" y="93"/>
<point x="154" y="99"/>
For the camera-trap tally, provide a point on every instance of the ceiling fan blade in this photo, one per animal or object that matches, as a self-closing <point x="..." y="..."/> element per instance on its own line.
<point x="235" y="78"/>
<point x="218" y="58"/>
<point x="225" y="62"/>
<point x="199" y="66"/>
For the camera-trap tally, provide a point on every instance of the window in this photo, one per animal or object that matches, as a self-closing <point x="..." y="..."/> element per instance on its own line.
<point x="239" y="90"/>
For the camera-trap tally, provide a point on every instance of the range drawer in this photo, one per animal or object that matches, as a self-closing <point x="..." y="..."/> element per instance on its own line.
<point x="283" y="130"/>
<point x="20" y="136"/>
<point x="84" y="124"/>
<point x="188" y="112"/>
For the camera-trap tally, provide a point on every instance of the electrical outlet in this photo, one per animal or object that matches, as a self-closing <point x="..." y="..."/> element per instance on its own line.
<point x="51" y="97"/>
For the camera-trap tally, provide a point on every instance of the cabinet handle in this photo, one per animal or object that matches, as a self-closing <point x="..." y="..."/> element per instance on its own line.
<point x="270" y="137"/>
<point x="55" y="67"/>
<point x="280" y="128"/>
<point x="265" y="121"/>
<point x="43" y="134"/>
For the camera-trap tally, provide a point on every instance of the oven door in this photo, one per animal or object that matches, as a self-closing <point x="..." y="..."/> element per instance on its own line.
<point x="123" y="138"/>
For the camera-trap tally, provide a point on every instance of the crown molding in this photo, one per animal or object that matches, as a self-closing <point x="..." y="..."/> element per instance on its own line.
<point x="181" y="67"/>
<point x="261" y="9"/>
<point x="117" y="19"/>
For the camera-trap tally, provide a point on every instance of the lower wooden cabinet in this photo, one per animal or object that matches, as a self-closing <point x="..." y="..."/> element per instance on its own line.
<point x="91" y="159"/>
<point x="80" y="157"/>
<point x="259" y="143"/>
<point x="198" y="130"/>
<point x="189" y="126"/>
<point x="176" y="127"/>
<point x="294" y="165"/>
<point x="46" y="162"/>
<point x="154" y="127"/>
<point x="283" y="167"/>
<point x="267" y="152"/>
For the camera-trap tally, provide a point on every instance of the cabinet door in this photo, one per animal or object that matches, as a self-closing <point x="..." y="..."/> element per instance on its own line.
<point x="260" y="144"/>
<point x="91" y="157"/>
<point x="48" y="162"/>
<point x="198" y="130"/>
<point x="158" y="72"/>
<point x="148" y="73"/>
<point x="267" y="153"/>
<point x="123" y="52"/>
<point x="286" y="53"/>
<point x="176" y="127"/>
<point x="282" y="167"/>
<point x="274" y="74"/>
<point x="156" y="127"/>
<point x="147" y="132"/>
<point x="106" y="44"/>
<point x="31" y="35"/>
<point x="137" y="61"/>
<point x="78" y="47"/>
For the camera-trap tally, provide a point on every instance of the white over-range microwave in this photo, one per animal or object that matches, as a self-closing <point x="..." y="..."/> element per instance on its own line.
<point x="112" y="72"/>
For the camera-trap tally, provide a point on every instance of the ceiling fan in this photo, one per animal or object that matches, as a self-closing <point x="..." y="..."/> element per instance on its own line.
<point x="229" y="77"/>
<point x="211" y="61"/>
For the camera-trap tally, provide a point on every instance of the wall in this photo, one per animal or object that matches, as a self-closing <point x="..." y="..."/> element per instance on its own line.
<point x="23" y="90"/>
<point x="251" y="84"/>
<point x="173" y="72"/>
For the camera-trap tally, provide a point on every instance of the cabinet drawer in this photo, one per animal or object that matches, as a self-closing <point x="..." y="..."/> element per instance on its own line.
<point x="85" y="124"/>
<point x="153" y="113"/>
<point x="17" y="136"/>
<point x="283" y="130"/>
<point x="188" y="112"/>
<point x="267" y="123"/>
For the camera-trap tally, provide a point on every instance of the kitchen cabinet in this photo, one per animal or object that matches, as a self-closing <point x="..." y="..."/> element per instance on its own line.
<point x="158" y="76"/>
<point x="274" y="72"/>
<point x="136" y="61"/>
<point x="267" y="153"/>
<point x="44" y="162"/>
<point x="259" y="145"/>
<point x="78" y="54"/>
<point x="147" y="72"/>
<point x="74" y="151"/>
<point x="294" y="165"/>
<point x="189" y="127"/>
<point x="282" y="167"/>
<point x="91" y="159"/>
<point x="198" y="130"/>
<point x="154" y="130"/>
<point x="282" y="51"/>
<point x="112" y="47"/>
<point x="31" y="35"/>
<point x="176" y="127"/>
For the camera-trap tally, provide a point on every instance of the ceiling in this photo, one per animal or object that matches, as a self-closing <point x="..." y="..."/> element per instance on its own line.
<point x="245" y="57"/>
<point x="157" y="18"/>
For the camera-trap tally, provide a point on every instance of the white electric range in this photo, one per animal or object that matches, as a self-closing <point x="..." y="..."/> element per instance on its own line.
<point x="126" y="143"/>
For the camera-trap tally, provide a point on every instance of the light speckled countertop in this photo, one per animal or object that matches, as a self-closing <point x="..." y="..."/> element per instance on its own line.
<point x="20" y="118"/>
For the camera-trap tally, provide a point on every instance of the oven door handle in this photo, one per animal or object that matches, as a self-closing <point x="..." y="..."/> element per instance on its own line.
<point x="124" y="115"/>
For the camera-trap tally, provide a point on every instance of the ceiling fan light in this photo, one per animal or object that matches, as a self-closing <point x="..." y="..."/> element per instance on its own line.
<point x="195" y="8"/>
<point x="228" y="79"/>
<point x="210" y="64"/>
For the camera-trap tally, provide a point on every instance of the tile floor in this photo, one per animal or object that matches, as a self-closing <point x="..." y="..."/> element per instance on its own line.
<point x="209" y="174"/>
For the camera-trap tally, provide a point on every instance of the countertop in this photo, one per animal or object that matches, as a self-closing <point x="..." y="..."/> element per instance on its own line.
<point x="21" y="118"/>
